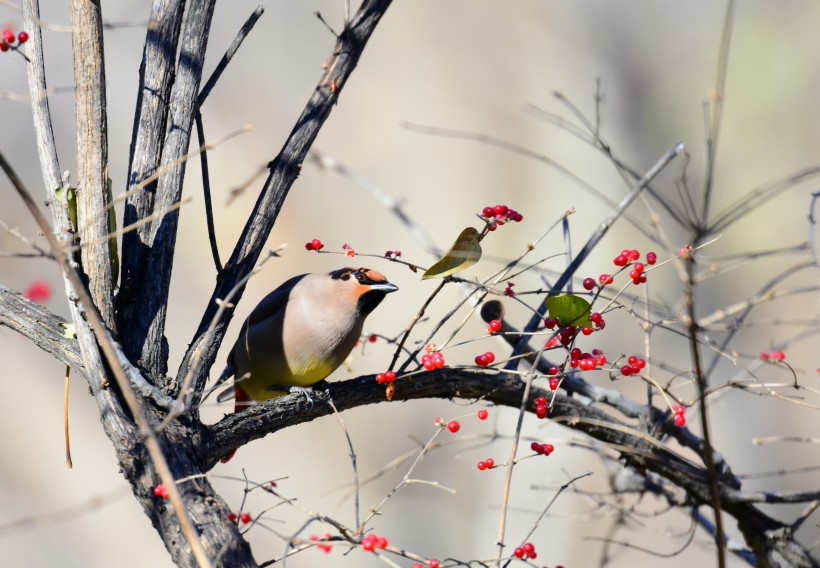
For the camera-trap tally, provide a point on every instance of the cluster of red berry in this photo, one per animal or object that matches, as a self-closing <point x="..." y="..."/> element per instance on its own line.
<point x="541" y="408"/>
<point x="542" y="449"/>
<point x="500" y="214"/>
<point x="323" y="546"/>
<point x="244" y="518"/>
<point x="565" y="336"/>
<point x="348" y="250"/>
<point x="527" y="550"/>
<point x="773" y="356"/>
<point x="508" y="291"/>
<point x="486" y="464"/>
<point x="637" y="272"/>
<point x="9" y="39"/>
<point x="485" y="359"/>
<point x="633" y="366"/>
<point x="371" y="542"/>
<point x="586" y="361"/>
<point x="432" y="360"/>
<point x="387" y="377"/>
<point x="315" y="244"/>
<point x="680" y="411"/>
<point x="161" y="491"/>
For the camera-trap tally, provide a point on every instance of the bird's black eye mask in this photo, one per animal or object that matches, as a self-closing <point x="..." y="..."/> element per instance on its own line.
<point x="360" y="274"/>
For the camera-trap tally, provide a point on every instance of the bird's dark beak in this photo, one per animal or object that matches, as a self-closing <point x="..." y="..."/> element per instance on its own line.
<point x="384" y="287"/>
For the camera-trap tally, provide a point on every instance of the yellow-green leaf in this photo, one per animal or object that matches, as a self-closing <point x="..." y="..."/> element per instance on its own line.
<point x="70" y="332"/>
<point x="464" y="253"/>
<point x="569" y="309"/>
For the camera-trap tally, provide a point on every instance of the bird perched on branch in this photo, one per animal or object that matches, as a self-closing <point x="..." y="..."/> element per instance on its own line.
<point x="301" y="332"/>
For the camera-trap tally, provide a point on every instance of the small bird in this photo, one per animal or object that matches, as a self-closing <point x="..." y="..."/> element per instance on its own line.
<point x="301" y="332"/>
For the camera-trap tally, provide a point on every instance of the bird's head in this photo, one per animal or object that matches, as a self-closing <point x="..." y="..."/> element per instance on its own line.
<point x="369" y="287"/>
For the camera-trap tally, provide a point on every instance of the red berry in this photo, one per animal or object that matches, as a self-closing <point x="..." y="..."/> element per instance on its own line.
<point x="22" y="37"/>
<point x="632" y="360"/>
<point x="435" y="563"/>
<point x="4" y="46"/>
<point x="586" y="330"/>
<point x="8" y="36"/>
<point x="680" y="419"/>
<point x="536" y="447"/>
<point x="482" y="466"/>
<point x="651" y="258"/>
<point x="245" y="518"/>
<point x="317" y="244"/>
<point x="373" y="338"/>
<point x="548" y="449"/>
<point x="541" y="411"/>
<point x="489" y="462"/>
<point x="549" y="323"/>
<point x="453" y="426"/>
<point x="481" y="360"/>
<point x="483" y="414"/>
<point x="494" y="327"/>
<point x="620" y="260"/>
<point x="596" y="318"/>
<point x="575" y="353"/>
<point x="679" y="409"/>
<point x="382" y="542"/>
<point x="633" y="254"/>
<point x="232" y="517"/>
<point x="640" y="363"/>
<point x="554" y="382"/>
<point x="518" y="553"/>
<point x="540" y="401"/>
<point x="39" y="291"/>
<point x="369" y="544"/>
<point x="487" y="212"/>
<point x="626" y="370"/>
<point x="765" y="355"/>
<point x="589" y="284"/>
<point x="500" y="210"/>
<point x="553" y="370"/>
<point x="161" y="491"/>
<point x="529" y="549"/>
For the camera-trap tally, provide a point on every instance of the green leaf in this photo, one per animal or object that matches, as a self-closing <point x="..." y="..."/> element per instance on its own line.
<point x="569" y="309"/>
<point x="464" y="253"/>
<point x="68" y="199"/>
<point x="70" y="332"/>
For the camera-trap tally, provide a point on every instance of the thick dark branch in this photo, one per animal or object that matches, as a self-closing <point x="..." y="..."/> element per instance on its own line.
<point x="156" y="79"/>
<point x="43" y="328"/>
<point x="636" y="449"/>
<point x="283" y="173"/>
<point x="93" y="196"/>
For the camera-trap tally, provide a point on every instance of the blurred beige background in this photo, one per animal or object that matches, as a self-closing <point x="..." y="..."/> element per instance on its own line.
<point x="473" y="65"/>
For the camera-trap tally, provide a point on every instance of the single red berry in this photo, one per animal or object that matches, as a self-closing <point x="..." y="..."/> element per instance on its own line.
<point x="483" y="414"/>
<point x="380" y="378"/>
<point x="481" y="360"/>
<point x="382" y="542"/>
<point x="680" y="419"/>
<point x="390" y="376"/>
<point x="639" y="267"/>
<point x="245" y="518"/>
<point x="548" y="449"/>
<point x="39" y="291"/>
<point x="482" y="466"/>
<point x="529" y="549"/>
<point x="489" y="462"/>
<point x="453" y="426"/>
<point x="633" y="255"/>
<point x="605" y="279"/>
<point x="232" y="517"/>
<point x="575" y="353"/>
<point x="160" y="489"/>
<point x="554" y="382"/>
<point x="679" y="409"/>
<point x="435" y="563"/>
<point x="651" y="258"/>
<point x="632" y="359"/>
<point x="540" y="401"/>
<point x="620" y="260"/>
<point x="626" y="370"/>
<point x="549" y="323"/>
<point x="494" y="327"/>
<point x="492" y="227"/>
<point x="8" y="36"/>
<point x="518" y="553"/>
<point x="487" y="212"/>
<point x="22" y="37"/>
<point x="533" y="556"/>
<point x="541" y="411"/>
<point x="500" y="210"/>
<point x="373" y="338"/>
<point x="573" y="363"/>
<point x="589" y="284"/>
<point x="586" y="330"/>
<point x="4" y="46"/>
<point x="640" y="363"/>
<point x="368" y="544"/>
<point x="596" y="318"/>
<point x="536" y="447"/>
<point x="317" y="244"/>
<point x="553" y="370"/>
